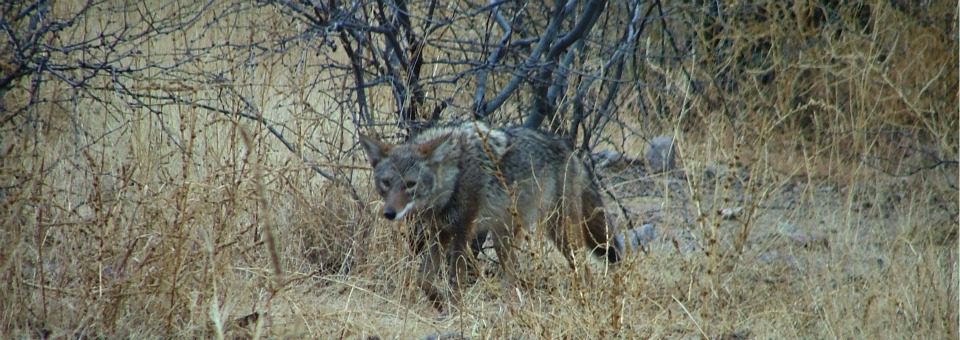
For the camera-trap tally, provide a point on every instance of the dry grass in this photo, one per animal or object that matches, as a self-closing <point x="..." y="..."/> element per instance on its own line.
<point x="149" y="226"/>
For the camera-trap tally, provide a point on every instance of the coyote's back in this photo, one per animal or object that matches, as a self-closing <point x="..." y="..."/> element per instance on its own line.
<point x="469" y="180"/>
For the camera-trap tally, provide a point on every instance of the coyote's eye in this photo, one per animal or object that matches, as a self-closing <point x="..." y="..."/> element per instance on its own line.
<point x="385" y="183"/>
<point x="410" y="184"/>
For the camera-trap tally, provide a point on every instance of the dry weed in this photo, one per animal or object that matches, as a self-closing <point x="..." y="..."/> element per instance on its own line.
<point x="837" y="139"/>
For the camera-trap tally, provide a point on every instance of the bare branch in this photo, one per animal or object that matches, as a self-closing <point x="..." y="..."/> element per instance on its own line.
<point x="549" y="34"/>
<point x="543" y="109"/>
<point x="478" y="106"/>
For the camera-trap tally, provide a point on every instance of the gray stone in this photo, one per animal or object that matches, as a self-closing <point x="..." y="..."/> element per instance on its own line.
<point x="731" y="213"/>
<point x="637" y="238"/>
<point x="661" y="154"/>
<point x="607" y="158"/>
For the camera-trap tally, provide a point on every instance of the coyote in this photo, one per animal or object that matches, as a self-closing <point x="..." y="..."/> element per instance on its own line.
<point x="466" y="181"/>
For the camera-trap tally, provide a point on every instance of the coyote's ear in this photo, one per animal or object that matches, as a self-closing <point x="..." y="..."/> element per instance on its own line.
<point x="376" y="150"/>
<point x="438" y="150"/>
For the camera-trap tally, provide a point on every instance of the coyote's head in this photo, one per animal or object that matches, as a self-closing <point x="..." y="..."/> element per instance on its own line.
<point x="412" y="177"/>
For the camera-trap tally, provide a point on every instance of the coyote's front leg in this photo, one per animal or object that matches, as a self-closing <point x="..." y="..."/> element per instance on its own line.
<point x="430" y="269"/>
<point x="427" y="244"/>
<point x="457" y="263"/>
<point x="503" y="245"/>
<point x="445" y="249"/>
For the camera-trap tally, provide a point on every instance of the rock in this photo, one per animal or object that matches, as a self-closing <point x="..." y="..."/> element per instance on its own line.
<point x="774" y="257"/>
<point x="803" y="239"/>
<point x="786" y="228"/>
<point x="607" y="158"/>
<point x="730" y="213"/>
<point x="636" y="238"/>
<point x="769" y="257"/>
<point x="810" y="241"/>
<point x="445" y="336"/>
<point x="661" y="154"/>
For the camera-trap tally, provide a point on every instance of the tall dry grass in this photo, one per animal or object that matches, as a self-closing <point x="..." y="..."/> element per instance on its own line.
<point x="121" y="222"/>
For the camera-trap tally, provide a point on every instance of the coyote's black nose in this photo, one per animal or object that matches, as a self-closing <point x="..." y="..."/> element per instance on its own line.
<point x="389" y="213"/>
